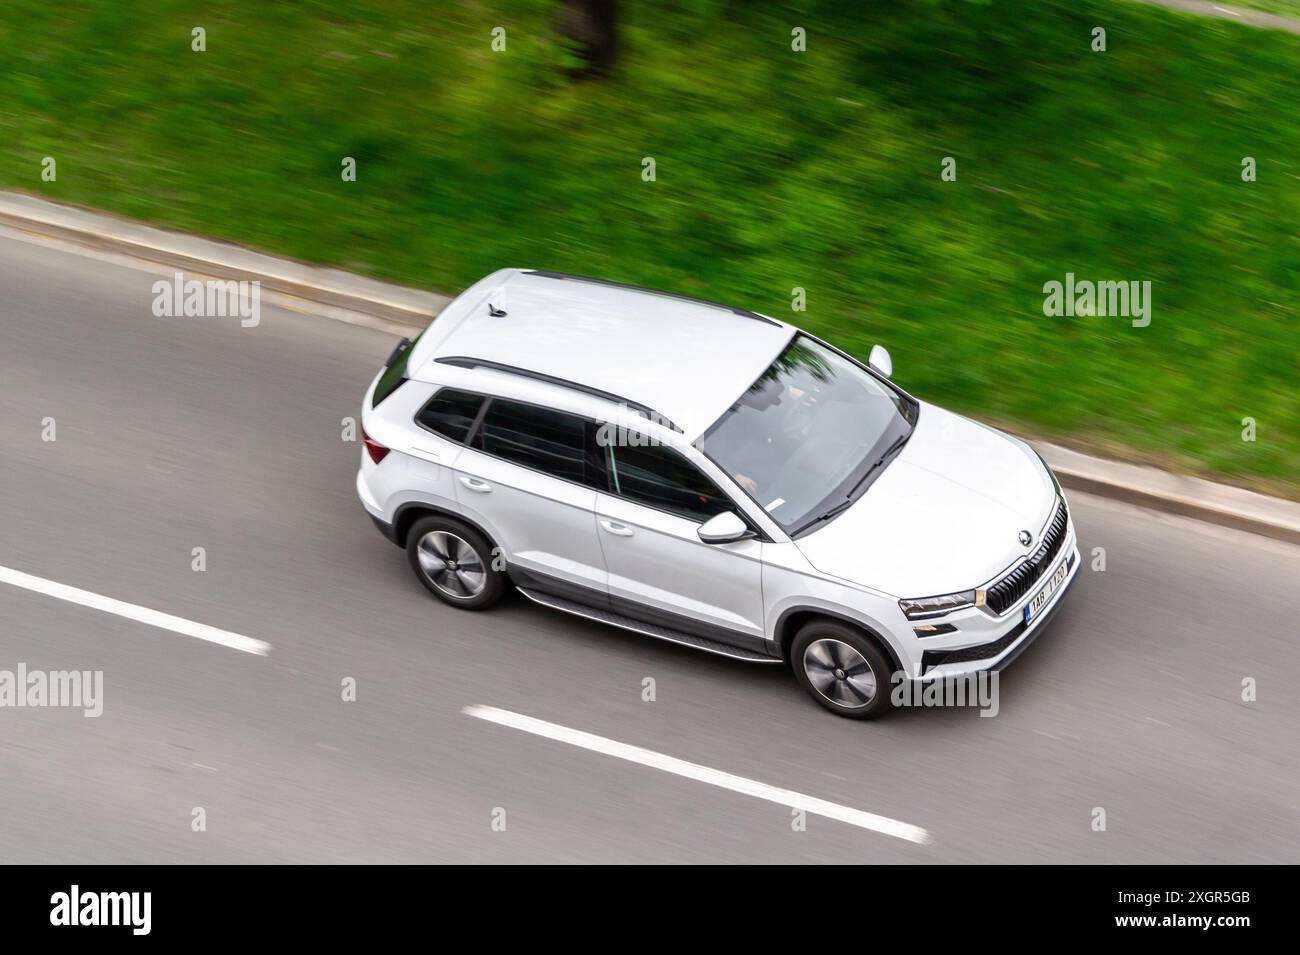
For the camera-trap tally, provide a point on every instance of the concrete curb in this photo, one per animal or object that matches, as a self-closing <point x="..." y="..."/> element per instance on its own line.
<point x="1172" y="493"/>
<point x="1219" y="11"/>
<point x="335" y="290"/>
<point x="329" y="287"/>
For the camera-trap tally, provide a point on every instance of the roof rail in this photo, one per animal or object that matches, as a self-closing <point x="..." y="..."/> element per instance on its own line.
<point x="460" y="361"/>
<point x="742" y="312"/>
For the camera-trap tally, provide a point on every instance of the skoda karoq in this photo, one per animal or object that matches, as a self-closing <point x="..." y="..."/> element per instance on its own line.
<point x="713" y="477"/>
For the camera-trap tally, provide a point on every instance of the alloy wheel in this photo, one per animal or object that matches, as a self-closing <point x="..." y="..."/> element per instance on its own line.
<point x="451" y="565"/>
<point x="839" y="673"/>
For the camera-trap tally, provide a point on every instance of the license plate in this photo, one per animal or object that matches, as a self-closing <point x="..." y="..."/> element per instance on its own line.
<point x="1040" y="599"/>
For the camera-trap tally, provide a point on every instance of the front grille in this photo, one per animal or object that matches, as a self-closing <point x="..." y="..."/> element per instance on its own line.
<point x="1024" y="575"/>
<point x="985" y="651"/>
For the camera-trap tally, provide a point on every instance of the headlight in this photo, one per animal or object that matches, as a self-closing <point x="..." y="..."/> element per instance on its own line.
<point x="922" y="608"/>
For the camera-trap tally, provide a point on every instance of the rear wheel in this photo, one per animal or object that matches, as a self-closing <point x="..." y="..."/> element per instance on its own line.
<point x="842" y="669"/>
<point x="455" y="562"/>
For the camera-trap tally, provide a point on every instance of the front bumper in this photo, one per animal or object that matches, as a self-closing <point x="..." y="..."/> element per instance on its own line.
<point x="942" y="663"/>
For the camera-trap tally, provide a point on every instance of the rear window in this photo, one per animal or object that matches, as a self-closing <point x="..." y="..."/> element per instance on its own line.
<point x="451" y="413"/>
<point x="561" y="445"/>
<point x="394" y="375"/>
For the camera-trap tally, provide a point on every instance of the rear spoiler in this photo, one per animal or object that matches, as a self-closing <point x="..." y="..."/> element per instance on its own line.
<point x="402" y="346"/>
<point x="394" y="374"/>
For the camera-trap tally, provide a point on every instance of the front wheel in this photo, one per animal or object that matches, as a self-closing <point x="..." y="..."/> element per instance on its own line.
<point x="455" y="562"/>
<point x="842" y="669"/>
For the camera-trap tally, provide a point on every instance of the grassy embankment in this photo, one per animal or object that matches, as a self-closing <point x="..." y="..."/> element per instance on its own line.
<point x="775" y="169"/>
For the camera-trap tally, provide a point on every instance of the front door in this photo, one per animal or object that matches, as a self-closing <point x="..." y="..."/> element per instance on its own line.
<point x="659" y="570"/>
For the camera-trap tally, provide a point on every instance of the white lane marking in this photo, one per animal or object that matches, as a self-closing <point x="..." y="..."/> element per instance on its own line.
<point x="153" y="618"/>
<point x="703" y="774"/>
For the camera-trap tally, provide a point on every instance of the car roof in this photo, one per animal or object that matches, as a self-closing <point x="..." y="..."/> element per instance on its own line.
<point x="681" y="358"/>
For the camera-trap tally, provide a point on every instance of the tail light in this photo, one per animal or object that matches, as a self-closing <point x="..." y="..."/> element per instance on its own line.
<point x="376" y="450"/>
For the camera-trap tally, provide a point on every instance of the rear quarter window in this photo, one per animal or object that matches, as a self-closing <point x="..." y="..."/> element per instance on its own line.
<point x="451" y="413"/>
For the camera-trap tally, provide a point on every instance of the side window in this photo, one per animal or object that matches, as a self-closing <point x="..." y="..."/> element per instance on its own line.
<point x="561" y="445"/>
<point x="662" y="478"/>
<point x="451" y="413"/>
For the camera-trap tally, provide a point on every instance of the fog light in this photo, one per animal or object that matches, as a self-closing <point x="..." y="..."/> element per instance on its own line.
<point x="934" y="629"/>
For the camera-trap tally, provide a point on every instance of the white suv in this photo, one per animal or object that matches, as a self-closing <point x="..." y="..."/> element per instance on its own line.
<point x="713" y="477"/>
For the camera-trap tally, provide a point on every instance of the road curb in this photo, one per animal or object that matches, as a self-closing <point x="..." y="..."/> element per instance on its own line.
<point x="413" y="308"/>
<point x="1219" y="11"/>
<point x="332" y="288"/>
<point x="1175" y="493"/>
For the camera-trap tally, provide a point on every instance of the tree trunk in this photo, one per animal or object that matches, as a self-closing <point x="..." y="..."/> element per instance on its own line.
<point x="591" y="29"/>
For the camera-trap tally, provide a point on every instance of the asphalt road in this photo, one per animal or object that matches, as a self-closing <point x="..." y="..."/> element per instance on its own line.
<point x="178" y="433"/>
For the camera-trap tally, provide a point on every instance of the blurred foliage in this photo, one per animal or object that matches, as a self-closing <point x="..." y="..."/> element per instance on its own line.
<point x="775" y="169"/>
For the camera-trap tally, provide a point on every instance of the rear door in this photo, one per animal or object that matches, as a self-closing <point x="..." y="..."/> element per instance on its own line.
<point x="529" y="477"/>
<point x="659" y="570"/>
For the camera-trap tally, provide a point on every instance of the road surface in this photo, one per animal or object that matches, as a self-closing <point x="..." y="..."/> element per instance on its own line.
<point x="176" y="433"/>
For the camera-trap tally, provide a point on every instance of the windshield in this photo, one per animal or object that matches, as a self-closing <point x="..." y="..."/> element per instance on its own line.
<point x="809" y="434"/>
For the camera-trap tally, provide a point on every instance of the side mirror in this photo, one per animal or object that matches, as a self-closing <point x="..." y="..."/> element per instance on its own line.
<point x="723" y="529"/>
<point x="879" y="359"/>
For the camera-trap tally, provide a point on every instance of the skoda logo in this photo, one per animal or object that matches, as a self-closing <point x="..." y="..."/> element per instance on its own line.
<point x="1025" y="538"/>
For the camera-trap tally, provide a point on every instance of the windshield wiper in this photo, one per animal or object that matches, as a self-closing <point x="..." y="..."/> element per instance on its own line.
<point x="845" y="504"/>
<point x="824" y="516"/>
<point x="902" y="439"/>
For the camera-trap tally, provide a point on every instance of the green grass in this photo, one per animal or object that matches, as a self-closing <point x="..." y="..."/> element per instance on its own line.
<point x="775" y="169"/>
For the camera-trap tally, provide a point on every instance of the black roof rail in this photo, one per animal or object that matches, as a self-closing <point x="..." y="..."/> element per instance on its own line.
<point x="742" y="312"/>
<point x="460" y="361"/>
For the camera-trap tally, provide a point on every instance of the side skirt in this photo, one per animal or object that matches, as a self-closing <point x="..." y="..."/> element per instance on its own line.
<point x="648" y="629"/>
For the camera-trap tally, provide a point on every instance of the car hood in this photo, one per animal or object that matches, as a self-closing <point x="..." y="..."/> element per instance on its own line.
<point x="943" y="516"/>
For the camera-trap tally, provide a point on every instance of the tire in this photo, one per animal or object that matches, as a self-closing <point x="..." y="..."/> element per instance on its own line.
<point x="842" y="669"/>
<point x="454" y="562"/>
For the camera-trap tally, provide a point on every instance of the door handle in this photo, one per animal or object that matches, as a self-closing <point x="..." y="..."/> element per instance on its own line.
<point x="619" y="530"/>
<point x="474" y="484"/>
